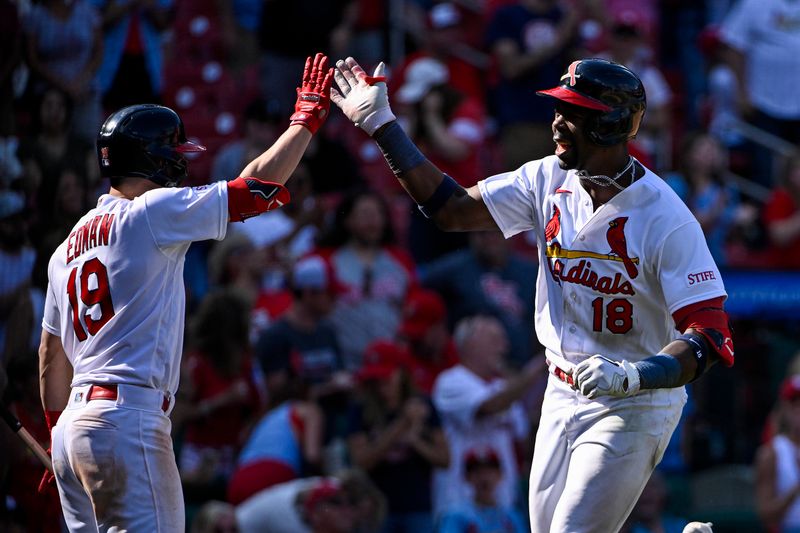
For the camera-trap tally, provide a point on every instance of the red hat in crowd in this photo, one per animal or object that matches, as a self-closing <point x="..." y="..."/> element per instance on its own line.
<point x="326" y="490"/>
<point x="381" y="360"/>
<point x="477" y="457"/>
<point x="790" y="389"/>
<point x="423" y="309"/>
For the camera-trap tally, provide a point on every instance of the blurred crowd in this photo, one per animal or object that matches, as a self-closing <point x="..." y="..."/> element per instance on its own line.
<point x="347" y="366"/>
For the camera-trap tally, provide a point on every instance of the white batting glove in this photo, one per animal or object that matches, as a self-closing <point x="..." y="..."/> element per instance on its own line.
<point x="362" y="98"/>
<point x="600" y="376"/>
<point x="698" y="527"/>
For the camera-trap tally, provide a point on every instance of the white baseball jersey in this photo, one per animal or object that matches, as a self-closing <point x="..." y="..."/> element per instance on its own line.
<point x="612" y="277"/>
<point x="116" y="295"/>
<point x="457" y="394"/>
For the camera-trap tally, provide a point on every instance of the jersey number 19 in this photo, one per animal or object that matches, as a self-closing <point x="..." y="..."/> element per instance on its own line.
<point x="98" y="295"/>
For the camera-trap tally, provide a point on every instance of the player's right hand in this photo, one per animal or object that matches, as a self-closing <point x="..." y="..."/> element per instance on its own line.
<point x="363" y="99"/>
<point x="313" y="96"/>
<point x="48" y="478"/>
<point x="600" y="376"/>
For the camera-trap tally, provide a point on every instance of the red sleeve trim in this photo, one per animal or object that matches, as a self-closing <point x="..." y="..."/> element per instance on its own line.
<point x="710" y="320"/>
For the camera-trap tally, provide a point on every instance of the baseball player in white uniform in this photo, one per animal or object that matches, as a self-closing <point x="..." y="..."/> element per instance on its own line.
<point x="629" y="304"/>
<point x="114" y="313"/>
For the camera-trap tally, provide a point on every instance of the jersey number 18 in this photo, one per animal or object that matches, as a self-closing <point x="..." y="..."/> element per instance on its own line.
<point x="99" y="295"/>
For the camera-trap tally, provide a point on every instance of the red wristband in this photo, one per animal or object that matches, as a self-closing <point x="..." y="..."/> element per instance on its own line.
<point x="51" y="417"/>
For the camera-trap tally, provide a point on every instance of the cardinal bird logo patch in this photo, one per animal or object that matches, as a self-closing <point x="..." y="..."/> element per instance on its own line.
<point x="553" y="226"/>
<point x="619" y="245"/>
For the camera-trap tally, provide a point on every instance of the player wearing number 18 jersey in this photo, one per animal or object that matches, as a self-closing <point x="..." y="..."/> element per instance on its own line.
<point x="114" y="312"/>
<point x="629" y="302"/>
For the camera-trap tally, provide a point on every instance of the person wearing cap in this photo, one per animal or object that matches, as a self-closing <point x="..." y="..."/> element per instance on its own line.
<point x="425" y="335"/>
<point x="304" y="339"/>
<point x="480" y="406"/>
<point x="347" y="502"/>
<point x="483" y="514"/>
<point x="491" y="278"/>
<point x="777" y="469"/>
<point x="443" y="37"/>
<point x="628" y="45"/>
<point x="530" y="41"/>
<point x="449" y="127"/>
<point x="396" y="437"/>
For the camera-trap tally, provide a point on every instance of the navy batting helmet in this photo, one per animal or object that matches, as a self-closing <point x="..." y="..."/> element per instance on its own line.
<point x="613" y="93"/>
<point x="144" y="141"/>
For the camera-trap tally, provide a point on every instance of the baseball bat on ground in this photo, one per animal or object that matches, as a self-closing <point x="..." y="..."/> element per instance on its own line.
<point x="16" y="426"/>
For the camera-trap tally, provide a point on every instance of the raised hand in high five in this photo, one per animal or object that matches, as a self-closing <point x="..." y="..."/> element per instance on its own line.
<point x="313" y="96"/>
<point x="362" y="98"/>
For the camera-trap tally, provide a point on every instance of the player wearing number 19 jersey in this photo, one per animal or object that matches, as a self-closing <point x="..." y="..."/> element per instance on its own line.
<point x="114" y="311"/>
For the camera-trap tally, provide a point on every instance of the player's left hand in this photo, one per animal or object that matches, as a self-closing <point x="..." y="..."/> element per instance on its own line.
<point x="600" y="376"/>
<point x="314" y="94"/>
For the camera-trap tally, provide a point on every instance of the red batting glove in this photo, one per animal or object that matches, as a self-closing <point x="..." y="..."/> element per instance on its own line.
<point x="314" y="94"/>
<point x="48" y="478"/>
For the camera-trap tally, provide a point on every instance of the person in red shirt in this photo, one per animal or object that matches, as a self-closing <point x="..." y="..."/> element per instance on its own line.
<point x="425" y="336"/>
<point x="781" y="217"/>
<point x="220" y="394"/>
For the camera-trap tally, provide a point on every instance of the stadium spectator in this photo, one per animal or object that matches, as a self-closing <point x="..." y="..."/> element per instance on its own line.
<point x="479" y="407"/>
<point x="18" y="310"/>
<point x="10" y="54"/>
<point x="327" y="25"/>
<point x="763" y="44"/>
<point x="304" y="339"/>
<point x="721" y="103"/>
<point x="397" y="439"/>
<point x="781" y="217"/>
<point x="285" y="443"/>
<point x="649" y="515"/>
<point x="702" y="185"/>
<point x="353" y="504"/>
<point x="131" y="71"/>
<point x="374" y="273"/>
<point x="260" y="127"/>
<point x="219" y="395"/>
<point x="530" y="41"/>
<point x="628" y="46"/>
<point x="442" y="38"/>
<point x="64" y="48"/>
<point x="489" y="278"/>
<point x="482" y="515"/>
<point x="425" y="336"/>
<point x="449" y="128"/>
<point x="776" y="465"/>
<point x="49" y="150"/>
<point x="215" y="516"/>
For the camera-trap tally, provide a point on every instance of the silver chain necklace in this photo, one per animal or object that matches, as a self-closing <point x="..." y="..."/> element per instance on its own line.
<point x="605" y="181"/>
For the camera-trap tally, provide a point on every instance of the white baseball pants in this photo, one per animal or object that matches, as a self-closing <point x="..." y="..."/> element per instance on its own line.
<point x="592" y="458"/>
<point x="114" y="464"/>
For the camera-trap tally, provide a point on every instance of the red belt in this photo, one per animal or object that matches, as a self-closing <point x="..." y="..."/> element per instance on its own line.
<point x="109" y="392"/>
<point x="562" y="375"/>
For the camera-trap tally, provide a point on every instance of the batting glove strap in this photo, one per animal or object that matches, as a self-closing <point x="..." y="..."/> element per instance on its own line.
<point x="600" y="376"/>
<point x="363" y="99"/>
<point x="633" y="378"/>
